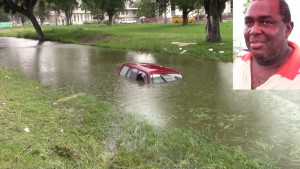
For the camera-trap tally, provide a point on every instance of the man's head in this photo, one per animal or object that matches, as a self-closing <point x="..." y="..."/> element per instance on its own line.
<point x="267" y="27"/>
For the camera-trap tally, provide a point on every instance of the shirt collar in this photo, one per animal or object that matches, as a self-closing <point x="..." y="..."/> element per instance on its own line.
<point x="291" y="67"/>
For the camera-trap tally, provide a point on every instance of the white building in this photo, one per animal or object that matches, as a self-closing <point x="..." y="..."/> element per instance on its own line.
<point x="80" y="16"/>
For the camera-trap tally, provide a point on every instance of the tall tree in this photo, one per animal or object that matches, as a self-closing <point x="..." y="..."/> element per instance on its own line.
<point x="94" y="8"/>
<point x="24" y="7"/>
<point x="4" y="17"/>
<point x="41" y="11"/>
<point x="110" y="7"/>
<point x="51" y="6"/>
<point x="214" y="10"/>
<point x="162" y="6"/>
<point x="146" y="8"/>
<point x="67" y="6"/>
<point x="187" y="6"/>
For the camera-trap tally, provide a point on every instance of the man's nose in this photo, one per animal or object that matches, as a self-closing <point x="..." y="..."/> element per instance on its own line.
<point x="255" y="29"/>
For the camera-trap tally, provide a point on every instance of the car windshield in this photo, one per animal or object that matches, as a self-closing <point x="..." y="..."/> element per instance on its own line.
<point x="164" y="78"/>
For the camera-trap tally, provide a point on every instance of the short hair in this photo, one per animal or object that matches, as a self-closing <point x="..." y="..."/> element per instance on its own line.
<point x="284" y="11"/>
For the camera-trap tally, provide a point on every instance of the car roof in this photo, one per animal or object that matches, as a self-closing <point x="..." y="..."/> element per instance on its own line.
<point x="151" y="68"/>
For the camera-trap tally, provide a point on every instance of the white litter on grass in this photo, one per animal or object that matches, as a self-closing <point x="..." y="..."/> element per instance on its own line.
<point x="26" y="130"/>
<point x="180" y="48"/>
<point x="3" y="104"/>
<point x="210" y="49"/>
<point x="221" y="51"/>
<point x="62" y="130"/>
<point x="183" y="51"/>
<point x="183" y="43"/>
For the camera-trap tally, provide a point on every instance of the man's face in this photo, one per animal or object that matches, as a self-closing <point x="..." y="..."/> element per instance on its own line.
<point x="265" y="33"/>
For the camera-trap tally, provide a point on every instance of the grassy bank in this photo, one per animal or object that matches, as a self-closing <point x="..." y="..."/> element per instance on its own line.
<point x="44" y="127"/>
<point x="158" y="38"/>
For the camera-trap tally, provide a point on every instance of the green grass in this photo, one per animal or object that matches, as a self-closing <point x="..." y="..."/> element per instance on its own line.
<point x="155" y="38"/>
<point x="77" y="130"/>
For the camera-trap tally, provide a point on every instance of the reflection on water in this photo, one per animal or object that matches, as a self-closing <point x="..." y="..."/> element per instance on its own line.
<point x="204" y="100"/>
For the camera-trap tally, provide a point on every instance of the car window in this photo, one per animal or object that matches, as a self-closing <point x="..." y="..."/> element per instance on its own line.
<point x="142" y="76"/>
<point x="171" y="77"/>
<point x="163" y="78"/>
<point x="156" y="78"/>
<point x="124" y="70"/>
<point x="145" y="77"/>
<point x="132" y="73"/>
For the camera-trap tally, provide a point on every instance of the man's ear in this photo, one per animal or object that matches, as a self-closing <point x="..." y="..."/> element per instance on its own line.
<point x="289" y="28"/>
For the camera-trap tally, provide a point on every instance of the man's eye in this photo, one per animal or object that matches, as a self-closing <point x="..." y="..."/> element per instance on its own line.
<point x="266" y="22"/>
<point x="248" y="23"/>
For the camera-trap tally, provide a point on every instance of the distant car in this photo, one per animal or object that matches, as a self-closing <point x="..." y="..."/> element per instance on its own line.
<point x="179" y="19"/>
<point x="148" y="73"/>
<point x="127" y="20"/>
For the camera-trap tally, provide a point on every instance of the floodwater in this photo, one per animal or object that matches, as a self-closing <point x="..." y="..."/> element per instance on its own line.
<point x="261" y="122"/>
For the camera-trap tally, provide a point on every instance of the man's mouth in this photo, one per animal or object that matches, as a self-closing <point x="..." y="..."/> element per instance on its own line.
<point x="254" y="44"/>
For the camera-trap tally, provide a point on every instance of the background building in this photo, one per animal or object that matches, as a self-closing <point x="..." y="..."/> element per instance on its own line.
<point x="82" y="16"/>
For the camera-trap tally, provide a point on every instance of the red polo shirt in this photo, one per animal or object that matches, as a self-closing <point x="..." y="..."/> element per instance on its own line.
<point x="288" y="76"/>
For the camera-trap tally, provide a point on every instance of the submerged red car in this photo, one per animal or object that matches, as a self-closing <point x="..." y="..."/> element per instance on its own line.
<point x="148" y="72"/>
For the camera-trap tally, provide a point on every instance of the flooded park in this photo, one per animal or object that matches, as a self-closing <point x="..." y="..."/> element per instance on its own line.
<point x="261" y="122"/>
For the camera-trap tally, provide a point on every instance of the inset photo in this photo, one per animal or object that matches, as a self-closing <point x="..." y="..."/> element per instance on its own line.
<point x="266" y="45"/>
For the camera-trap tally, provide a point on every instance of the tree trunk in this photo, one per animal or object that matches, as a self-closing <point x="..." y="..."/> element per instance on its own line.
<point x="27" y="11"/>
<point x="166" y="21"/>
<point x="166" y="7"/>
<point x="36" y="26"/>
<point x="110" y="20"/>
<point x="68" y="20"/>
<point x="55" y="17"/>
<point x="213" y="21"/>
<point x="213" y="30"/>
<point x="68" y="13"/>
<point x="184" y="17"/>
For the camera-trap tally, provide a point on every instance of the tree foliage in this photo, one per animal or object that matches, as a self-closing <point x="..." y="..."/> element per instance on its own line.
<point x="4" y="17"/>
<point x="110" y="7"/>
<point x="24" y="7"/>
<point x="94" y="8"/>
<point x="187" y="6"/>
<point x="41" y="11"/>
<point x="162" y="6"/>
<point x="67" y="6"/>
<point x="152" y="8"/>
<point x="146" y="8"/>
